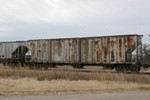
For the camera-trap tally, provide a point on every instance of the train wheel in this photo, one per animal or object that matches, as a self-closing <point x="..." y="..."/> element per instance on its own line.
<point x="126" y="69"/>
<point x="135" y="69"/>
<point x="53" y="65"/>
<point x="4" y="64"/>
<point x="45" y="66"/>
<point x="80" y="66"/>
<point x="74" y="65"/>
<point x="118" y="69"/>
<point x="145" y="67"/>
<point x="32" y="66"/>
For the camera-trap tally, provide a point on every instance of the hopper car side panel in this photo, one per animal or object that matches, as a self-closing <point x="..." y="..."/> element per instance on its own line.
<point x="87" y="51"/>
<point x="65" y="51"/>
<point x="43" y="52"/>
<point x="7" y="48"/>
<point x="40" y="50"/>
<point x="11" y="52"/>
<point x="102" y="50"/>
<point x="108" y="50"/>
<point x="105" y="50"/>
<point x="60" y="51"/>
<point x="74" y="51"/>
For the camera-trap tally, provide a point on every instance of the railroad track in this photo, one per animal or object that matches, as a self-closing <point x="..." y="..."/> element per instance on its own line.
<point x="95" y="71"/>
<point x="89" y="70"/>
<point x="77" y="70"/>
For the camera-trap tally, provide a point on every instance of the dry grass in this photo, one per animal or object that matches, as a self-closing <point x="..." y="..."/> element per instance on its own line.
<point x="20" y="81"/>
<point x="40" y="75"/>
<point x="29" y="86"/>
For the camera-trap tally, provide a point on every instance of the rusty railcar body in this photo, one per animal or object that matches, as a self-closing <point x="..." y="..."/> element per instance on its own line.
<point x="107" y="51"/>
<point x="13" y="52"/>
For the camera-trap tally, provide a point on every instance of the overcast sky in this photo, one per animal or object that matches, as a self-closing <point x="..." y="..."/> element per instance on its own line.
<point x="32" y="19"/>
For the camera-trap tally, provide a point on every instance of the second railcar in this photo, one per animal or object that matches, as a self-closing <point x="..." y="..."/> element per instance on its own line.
<point x="108" y="51"/>
<point x="13" y="52"/>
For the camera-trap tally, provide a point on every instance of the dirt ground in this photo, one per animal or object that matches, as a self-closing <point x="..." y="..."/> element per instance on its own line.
<point x="131" y="95"/>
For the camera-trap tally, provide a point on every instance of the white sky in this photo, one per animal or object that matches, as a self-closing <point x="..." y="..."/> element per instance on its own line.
<point x="32" y="19"/>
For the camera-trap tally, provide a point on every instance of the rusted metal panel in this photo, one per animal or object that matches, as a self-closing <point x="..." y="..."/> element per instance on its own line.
<point x="113" y="50"/>
<point x="57" y="50"/>
<point x="101" y="53"/>
<point x="98" y="50"/>
<point x="73" y="50"/>
<point x="49" y="50"/>
<point x="46" y="50"/>
<point x="43" y="54"/>
<point x="40" y="50"/>
<point x="130" y="46"/>
<point x="65" y="50"/>
<point x="108" y="49"/>
<point x="121" y="49"/>
<point x="87" y="50"/>
<point x="32" y="45"/>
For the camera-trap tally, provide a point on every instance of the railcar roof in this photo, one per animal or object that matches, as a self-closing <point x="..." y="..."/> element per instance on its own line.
<point x="12" y="41"/>
<point x="85" y="37"/>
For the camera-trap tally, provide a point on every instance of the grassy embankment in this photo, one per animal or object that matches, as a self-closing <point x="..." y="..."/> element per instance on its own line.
<point x="28" y="82"/>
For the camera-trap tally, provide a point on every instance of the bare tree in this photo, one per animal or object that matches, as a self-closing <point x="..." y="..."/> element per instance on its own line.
<point x="146" y="56"/>
<point x="146" y="50"/>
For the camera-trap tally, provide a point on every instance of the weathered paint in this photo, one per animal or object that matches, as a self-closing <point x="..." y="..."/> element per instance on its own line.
<point x="72" y="50"/>
<point x="32" y="45"/>
<point x="89" y="50"/>
<point x="65" y="50"/>
<point x="102" y="50"/>
<point x="121" y="51"/>
<point x="43" y="54"/>
<point x="109" y="49"/>
<point x="57" y="48"/>
<point x="7" y="48"/>
<point x="39" y="50"/>
<point x="113" y="50"/>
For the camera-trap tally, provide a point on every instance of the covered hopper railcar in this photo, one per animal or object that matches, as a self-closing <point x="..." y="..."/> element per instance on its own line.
<point x="13" y="52"/>
<point x="107" y="51"/>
